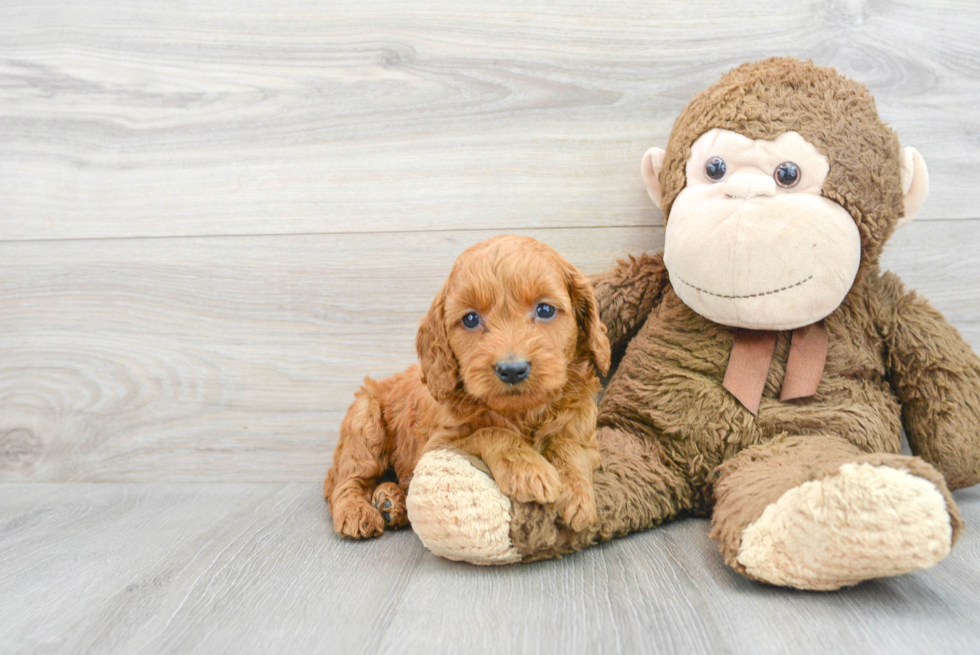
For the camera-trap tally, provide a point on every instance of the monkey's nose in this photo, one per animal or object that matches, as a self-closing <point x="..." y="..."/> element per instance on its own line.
<point x="513" y="371"/>
<point x="749" y="185"/>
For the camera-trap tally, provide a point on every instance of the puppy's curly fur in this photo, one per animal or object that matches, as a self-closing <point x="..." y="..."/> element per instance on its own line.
<point x="537" y="435"/>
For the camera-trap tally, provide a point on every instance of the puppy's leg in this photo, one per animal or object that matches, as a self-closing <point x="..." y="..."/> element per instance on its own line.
<point x="389" y="499"/>
<point x="360" y="459"/>
<point x="575" y="462"/>
<point x="520" y="471"/>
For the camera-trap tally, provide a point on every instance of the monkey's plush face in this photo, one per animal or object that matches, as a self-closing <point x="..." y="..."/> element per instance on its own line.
<point x="751" y="242"/>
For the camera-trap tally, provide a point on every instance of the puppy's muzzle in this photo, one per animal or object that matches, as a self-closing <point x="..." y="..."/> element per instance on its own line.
<point x="513" y="371"/>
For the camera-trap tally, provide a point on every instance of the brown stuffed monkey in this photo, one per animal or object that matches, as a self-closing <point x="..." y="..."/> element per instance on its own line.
<point x="769" y="364"/>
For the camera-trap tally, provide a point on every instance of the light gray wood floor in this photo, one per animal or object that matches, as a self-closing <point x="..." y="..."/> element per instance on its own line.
<point x="216" y="217"/>
<point x="250" y="568"/>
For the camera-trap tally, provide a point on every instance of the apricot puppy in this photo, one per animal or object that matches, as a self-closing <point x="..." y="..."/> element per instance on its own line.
<point x="508" y="355"/>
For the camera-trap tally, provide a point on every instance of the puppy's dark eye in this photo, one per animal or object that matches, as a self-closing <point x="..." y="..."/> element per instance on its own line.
<point x="544" y="311"/>
<point x="471" y="320"/>
<point x="787" y="174"/>
<point x="715" y="168"/>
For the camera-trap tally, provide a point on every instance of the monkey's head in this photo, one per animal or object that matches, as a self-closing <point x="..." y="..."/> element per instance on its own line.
<point x="779" y="185"/>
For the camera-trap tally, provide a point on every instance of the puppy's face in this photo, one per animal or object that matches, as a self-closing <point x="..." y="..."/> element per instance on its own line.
<point x="514" y="315"/>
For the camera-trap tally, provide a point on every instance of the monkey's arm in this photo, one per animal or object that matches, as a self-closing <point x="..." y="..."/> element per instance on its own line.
<point x="936" y="375"/>
<point x="628" y="293"/>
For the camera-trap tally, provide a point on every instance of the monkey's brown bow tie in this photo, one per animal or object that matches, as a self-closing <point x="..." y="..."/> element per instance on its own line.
<point x="748" y="365"/>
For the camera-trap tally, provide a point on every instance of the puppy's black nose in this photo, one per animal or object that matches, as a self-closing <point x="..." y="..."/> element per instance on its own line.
<point x="513" y="371"/>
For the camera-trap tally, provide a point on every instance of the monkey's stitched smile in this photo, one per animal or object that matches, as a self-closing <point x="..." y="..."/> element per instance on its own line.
<point x="751" y="295"/>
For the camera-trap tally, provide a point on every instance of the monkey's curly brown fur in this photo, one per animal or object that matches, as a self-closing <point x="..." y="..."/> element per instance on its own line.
<point x="674" y="441"/>
<point x="537" y="436"/>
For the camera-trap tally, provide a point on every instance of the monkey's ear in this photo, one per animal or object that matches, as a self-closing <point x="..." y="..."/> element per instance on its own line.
<point x="592" y="332"/>
<point x="915" y="183"/>
<point x="440" y="370"/>
<point x="653" y="161"/>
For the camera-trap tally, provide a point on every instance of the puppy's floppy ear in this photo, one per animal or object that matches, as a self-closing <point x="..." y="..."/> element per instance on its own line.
<point x="440" y="370"/>
<point x="592" y="333"/>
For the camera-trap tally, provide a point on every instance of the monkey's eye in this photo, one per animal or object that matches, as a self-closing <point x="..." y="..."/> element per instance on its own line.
<point x="787" y="174"/>
<point x="544" y="311"/>
<point x="715" y="168"/>
<point x="471" y="320"/>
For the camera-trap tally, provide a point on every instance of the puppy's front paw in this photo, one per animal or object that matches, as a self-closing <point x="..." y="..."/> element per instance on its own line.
<point x="529" y="481"/>
<point x="576" y="508"/>
<point x="357" y="520"/>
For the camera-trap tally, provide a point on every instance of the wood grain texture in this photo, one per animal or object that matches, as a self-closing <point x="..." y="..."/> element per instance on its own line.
<point x="228" y="358"/>
<point x="217" y="118"/>
<point x="235" y="358"/>
<point x="216" y="217"/>
<point x="253" y="568"/>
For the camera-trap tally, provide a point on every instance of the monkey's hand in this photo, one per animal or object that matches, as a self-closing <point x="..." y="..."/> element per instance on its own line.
<point x="628" y="293"/>
<point x="936" y="375"/>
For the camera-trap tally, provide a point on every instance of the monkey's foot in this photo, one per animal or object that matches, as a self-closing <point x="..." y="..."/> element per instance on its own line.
<point x="458" y="511"/>
<point x="864" y="522"/>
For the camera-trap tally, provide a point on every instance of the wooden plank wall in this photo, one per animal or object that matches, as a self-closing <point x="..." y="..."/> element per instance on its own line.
<point x="217" y="217"/>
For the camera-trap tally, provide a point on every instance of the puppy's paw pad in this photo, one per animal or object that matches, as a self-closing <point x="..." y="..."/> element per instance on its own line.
<point x="358" y="521"/>
<point x="389" y="499"/>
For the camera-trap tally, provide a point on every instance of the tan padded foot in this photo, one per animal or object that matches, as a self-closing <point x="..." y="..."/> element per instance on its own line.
<point x="458" y="511"/>
<point x="862" y="523"/>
